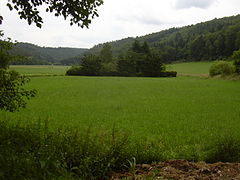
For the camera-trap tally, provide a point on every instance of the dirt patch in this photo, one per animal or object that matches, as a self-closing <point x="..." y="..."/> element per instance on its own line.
<point x="182" y="169"/>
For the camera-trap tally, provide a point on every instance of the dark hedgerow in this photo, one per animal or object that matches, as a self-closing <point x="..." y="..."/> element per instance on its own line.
<point x="74" y="71"/>
<point x="169" y="74"/>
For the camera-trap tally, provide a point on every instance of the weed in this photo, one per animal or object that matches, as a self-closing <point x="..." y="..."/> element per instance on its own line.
<point x="225" y="149"/>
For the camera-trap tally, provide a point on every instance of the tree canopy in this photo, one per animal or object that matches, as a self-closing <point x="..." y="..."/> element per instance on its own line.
<point x="211" y="40"/>
<point x="12" y="93"/>
<point x="80" y="12"/>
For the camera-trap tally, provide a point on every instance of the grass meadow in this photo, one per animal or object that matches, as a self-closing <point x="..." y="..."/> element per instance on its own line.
<point x="181" y="112"/>
<point x="164" y="118"/>
<point x="40" y="70"/>
<point x="191" y="68"/>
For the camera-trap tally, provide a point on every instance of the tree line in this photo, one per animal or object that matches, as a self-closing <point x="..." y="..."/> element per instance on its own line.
<point x="139" y="60"/>
<point x="36" y="55"/>
<point x="208" y="41"/>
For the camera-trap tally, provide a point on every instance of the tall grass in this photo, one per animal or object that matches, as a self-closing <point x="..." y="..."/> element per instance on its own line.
<point x="183" y="113"/>
<point x="34" y="152"/>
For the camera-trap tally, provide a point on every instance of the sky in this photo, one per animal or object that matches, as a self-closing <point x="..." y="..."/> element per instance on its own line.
<point x="117" y="19"/>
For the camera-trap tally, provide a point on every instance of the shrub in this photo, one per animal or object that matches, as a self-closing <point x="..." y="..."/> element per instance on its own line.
<point x="168" y="74"/>
<point x="12" y="94"/>
<point x="221" y="68"/>
<point x="236" y="63"/>
<point x="74" y="71"/>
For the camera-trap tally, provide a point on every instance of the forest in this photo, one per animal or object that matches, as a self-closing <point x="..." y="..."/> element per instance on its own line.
<point x="36" y="55"/>
<point x="207" y="41"/>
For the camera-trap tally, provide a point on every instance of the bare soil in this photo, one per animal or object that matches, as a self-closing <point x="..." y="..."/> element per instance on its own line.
<point x="182" y="169"/>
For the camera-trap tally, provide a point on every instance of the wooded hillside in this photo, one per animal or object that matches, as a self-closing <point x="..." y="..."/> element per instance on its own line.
<point x="45" y="55"/>
<point x="215" y="39"/>
<point x="211" y="40"/>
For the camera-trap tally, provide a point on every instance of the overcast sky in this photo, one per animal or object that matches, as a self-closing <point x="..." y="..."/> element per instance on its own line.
<point x="118" y="19"/>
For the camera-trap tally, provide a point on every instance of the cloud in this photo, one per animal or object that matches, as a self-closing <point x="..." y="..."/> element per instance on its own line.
<point x="146" y="20"/>
<point x="185" y="4"/>
<point x="149" y="18"/>
<point x="117" y="20"/>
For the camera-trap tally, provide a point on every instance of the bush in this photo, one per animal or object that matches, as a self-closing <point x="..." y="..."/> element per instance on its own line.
<point x="222" y="68"/>
<point x="12" y="94"/>
<point x="236" y="63"/>
<point x="168" y="74"/>
<point x="74" y="71"/>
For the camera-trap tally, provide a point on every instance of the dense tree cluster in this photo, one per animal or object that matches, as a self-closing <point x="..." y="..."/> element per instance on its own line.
<point x="138" y="61"/>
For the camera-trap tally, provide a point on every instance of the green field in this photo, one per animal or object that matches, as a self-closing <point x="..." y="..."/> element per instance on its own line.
<point x="40" y="70"/>
<point x="191" y="68"/>
<point x="184" y="113"/>
<point x="188" y="68"/>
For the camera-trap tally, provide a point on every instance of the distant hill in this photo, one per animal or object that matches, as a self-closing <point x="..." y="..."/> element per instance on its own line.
<point x="211" y="40"/>
<point x="45" y="55"/>
<point x="206" y="41"/>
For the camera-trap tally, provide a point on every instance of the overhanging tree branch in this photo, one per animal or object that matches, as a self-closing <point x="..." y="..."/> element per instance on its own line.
<point x="80" y="12"/>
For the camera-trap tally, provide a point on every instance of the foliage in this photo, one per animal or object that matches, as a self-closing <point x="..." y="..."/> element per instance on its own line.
<point x="216" y="39"/>
<point x="236" y="58"/>
<point x="80" y="12"/>
<point x="221" y="68"/>
<point x="106" y="54"/>
<point x="35" y="152"/>
<point x="12" y="94"/>
<point x="5" y="47"/>
<point x="138" y="61"/>
<point x="90" y="66"/>
<point x="236" y="63"/>
<point x="152" y="66"/>
<point x="168" y="74"/>
<point x="236" y="54"/>
<point x="74" y="71"/>
<point x="36" y="55"/>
